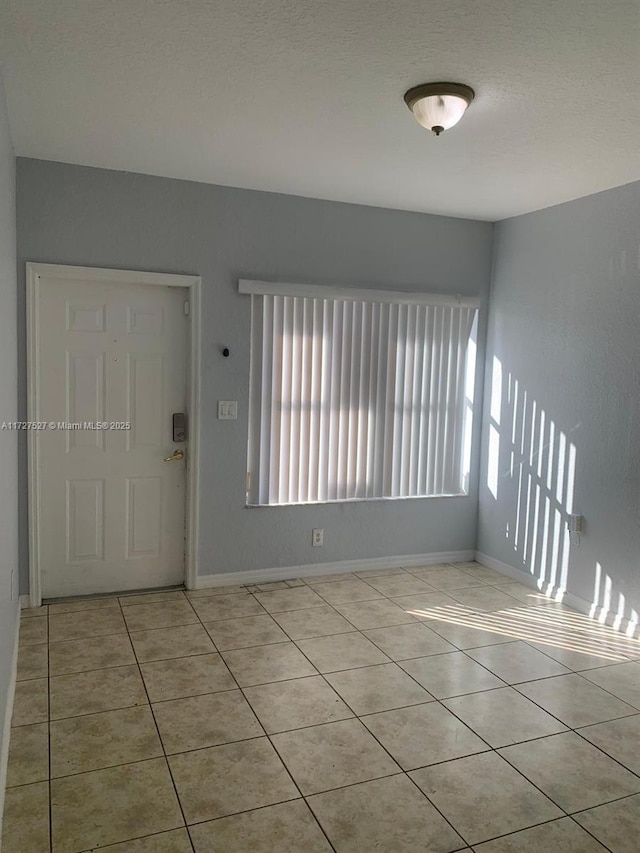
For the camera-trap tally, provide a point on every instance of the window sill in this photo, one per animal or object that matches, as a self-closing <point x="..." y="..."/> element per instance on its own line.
<point x="343" y="501"/>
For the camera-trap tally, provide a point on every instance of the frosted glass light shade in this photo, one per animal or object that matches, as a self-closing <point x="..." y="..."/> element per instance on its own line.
<point x="439" y="111"/>
<point x="439" y="106"/>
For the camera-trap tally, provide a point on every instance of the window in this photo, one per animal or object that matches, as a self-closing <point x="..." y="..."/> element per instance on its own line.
<point x="358" y="394"/>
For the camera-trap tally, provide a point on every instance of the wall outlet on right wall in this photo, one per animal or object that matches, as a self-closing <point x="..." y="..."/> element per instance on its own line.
<point x="575" y="525"/>
<point x="317" y="537"/>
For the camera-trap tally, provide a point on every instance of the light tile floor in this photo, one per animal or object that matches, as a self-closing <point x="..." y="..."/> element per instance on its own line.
<point x="426" y="710"/>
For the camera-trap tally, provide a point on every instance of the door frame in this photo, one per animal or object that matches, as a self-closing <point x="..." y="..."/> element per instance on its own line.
<point x="192" y="285"/>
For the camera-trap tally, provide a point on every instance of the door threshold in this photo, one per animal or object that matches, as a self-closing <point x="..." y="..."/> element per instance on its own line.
<point x="120" y="594"/>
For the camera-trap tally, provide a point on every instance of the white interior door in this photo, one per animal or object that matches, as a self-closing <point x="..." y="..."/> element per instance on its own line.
<point x="111" y="509"/>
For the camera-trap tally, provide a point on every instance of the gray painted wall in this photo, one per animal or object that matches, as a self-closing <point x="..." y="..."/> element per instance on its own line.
<point x="565" y="309"/>
<point x="83" y="216"/>
<point x="8" y="409"/>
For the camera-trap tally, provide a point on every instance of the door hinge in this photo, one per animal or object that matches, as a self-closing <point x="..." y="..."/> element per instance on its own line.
<point x="187" y="308"/>
<point x="248" y="482"/>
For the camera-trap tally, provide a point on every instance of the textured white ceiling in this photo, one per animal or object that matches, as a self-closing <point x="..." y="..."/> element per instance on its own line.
<point x="305" y="96"/>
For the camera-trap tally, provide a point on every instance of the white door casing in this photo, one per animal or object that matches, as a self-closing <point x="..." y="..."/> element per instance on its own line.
<point x="107" y="512"/>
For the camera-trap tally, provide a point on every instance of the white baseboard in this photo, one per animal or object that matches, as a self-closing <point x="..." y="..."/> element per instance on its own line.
<point x="8" y="712"/>
<point x="25" y="601"/>
<point x="285" y="573"/>
<point x="507" y="570"/>
<point x="556" y="593"/>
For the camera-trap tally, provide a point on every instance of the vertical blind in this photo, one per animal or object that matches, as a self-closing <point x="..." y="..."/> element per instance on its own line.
<point x="356" y="398"/>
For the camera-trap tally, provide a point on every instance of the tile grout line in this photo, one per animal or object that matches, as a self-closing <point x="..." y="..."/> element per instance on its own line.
<point x="607" y="803"/>
<point x="492" y="749"/>
<point x="298" y="789"/>
<point x="384" y="597"/>
<point x="357" y="717"/>
<point x="535" y="826"/>
<point x="463" y="651"/>
<point x="354" y="716"/>
<point x="402" y="771"/>
<point x="519" y="684"/>
<point x="568" y="813"/>
<point x="588" y="831"/>
<point x="155" y="723"/>
<point x="273" y="746"/>
<point x="266" y="734"/>
<point x="569" y="728"/>
<point x="398" y="663"/>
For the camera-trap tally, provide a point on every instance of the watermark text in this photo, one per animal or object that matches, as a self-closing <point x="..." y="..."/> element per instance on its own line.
<point x="65" y="426"/>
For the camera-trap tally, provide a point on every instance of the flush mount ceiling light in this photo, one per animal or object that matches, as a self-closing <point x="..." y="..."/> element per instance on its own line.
<point x="439" y="106"/>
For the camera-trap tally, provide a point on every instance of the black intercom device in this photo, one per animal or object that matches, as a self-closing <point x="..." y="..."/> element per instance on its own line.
<point x="179" y="427"/>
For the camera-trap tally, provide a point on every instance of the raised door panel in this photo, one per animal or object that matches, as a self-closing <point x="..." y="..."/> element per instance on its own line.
<point x="145" y="411"/>
<point x="144" y="516"/>
<point x="86" y="317"/>
<point x="86" y="399"/>
<point x="145" y="320"/>
<point x="85" y="507"/>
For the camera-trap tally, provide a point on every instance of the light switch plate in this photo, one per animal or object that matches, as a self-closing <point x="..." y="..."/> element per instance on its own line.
<point x="227" y="410"/>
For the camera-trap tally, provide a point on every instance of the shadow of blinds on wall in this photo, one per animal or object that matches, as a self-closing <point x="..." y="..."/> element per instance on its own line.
<point x="357" y="394"/>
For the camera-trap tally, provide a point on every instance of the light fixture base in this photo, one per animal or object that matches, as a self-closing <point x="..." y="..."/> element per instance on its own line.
<point x="427" y="90"/>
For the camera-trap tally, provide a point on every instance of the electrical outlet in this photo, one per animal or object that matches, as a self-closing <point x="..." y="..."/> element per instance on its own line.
<point x="317" y="537"/>
<point x="575" y="525"/>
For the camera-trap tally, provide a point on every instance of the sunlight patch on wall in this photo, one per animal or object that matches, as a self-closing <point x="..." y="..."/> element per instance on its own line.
<point x="602" y="606"/>
<point x="535" y="461"/>
<point x="493" y="461"/>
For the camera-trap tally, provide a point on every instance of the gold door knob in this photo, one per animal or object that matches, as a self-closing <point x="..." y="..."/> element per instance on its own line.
<point x="176" y="456"/>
